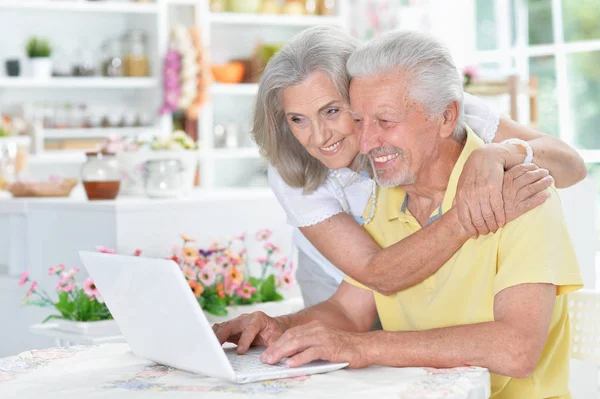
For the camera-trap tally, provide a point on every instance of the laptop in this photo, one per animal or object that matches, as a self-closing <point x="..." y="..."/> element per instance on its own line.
<point x="161" y="320"/>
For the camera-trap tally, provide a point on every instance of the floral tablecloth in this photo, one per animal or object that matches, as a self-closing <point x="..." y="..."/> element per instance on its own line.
<point x="113" y="371"/>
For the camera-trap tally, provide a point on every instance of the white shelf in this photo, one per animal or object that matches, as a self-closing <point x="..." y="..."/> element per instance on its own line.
<point x="229" y="18"/>
<point x="183" y="2"/>
<point x="245" y="89"/>
<point x="79" y="83"/>
<point x="95" y="132"/>
<point x="234" y="153"/>
<point x="80" y="6"/>
<point x="58" y="157"/>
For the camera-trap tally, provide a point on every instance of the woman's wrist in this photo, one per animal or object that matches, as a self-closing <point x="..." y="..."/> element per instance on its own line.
<point x="508" y="154"/>
<point x="458" y="229"/>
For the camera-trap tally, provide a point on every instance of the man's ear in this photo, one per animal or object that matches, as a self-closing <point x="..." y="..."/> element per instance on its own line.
<point x="449" y="120"/>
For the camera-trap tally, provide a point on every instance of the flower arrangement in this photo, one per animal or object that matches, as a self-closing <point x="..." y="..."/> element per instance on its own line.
<point x="75" y="302"/>
<point x="179" y="140"/>
<point x="219" y="276"/>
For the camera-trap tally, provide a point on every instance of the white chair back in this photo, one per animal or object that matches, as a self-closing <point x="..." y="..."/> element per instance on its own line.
<point x="584" y="310"/>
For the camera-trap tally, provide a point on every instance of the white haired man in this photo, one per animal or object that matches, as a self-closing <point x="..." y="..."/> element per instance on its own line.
<point x="498" y="302"/>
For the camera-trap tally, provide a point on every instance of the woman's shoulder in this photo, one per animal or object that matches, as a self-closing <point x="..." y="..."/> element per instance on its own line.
<point x="338" y="181"/>
<point x="343" y="191"/>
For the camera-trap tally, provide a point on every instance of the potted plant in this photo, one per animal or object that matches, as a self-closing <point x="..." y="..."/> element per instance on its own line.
<point x="39" y="51"/>
<point x="221" y="279"/>
<point x="80" y="306"/>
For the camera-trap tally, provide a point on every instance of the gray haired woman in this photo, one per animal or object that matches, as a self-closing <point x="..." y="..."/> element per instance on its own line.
<point x="304" y="127"/>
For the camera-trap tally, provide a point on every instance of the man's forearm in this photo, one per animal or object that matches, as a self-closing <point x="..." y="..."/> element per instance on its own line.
<point x="493" y="345"/>
<point x="416" y="257"/>
<point x="328" y="312"/>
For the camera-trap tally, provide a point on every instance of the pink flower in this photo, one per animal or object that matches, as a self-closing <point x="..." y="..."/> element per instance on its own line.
<point x="271" y="248"/>
<point x="231" y="286"/>
<point x="103" y="250"/>
<point x="67" y="288"/>
<point x="243" y="252"/>
<point x="137" y="252"/>
<point x="280" y="264"/>
<point x="69" y="274"/>
<point x="216" y="268"/>
<point x="189" y="273"/>
<point x="207" y="276"/>
<point x="90" y="288"/>
<point x="471" y="70"/>
<point x="262" y="260"/>
<point x="55" y="269"/>
<point x="246" y="290"/>
<point x="286" y="280"/>
<point x="200" y="262"/>
<point x="31" y="289"/>
<point x="241" y="237"/>
<point x="263" y="234"/>
<point x="177" y="251"/>
<point x="24" y="278"/>
<point x="66" y="279"/>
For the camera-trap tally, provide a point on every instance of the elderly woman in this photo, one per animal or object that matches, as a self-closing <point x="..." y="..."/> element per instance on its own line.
<point x="304" y="127"/>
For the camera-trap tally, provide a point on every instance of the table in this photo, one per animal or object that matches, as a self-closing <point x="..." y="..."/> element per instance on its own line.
<point x="112" y="370"/>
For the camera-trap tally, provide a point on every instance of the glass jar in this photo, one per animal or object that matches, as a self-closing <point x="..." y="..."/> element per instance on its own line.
<point x="112" y="62"/>
<point x="326" y="7"/>
<point x="163" y="178"/>
<point x="218" y="5"/>
<point x="135" y="61"/>
<point x="101" y="176"/>
<point x="310" y="7"/>
<point x="8" y="155"/>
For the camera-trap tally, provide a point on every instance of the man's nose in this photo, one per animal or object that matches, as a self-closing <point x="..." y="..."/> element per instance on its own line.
<point x="368" y="138"/>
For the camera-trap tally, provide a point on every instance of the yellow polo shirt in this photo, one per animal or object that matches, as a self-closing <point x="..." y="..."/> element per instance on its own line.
<point x="535" y="248"/>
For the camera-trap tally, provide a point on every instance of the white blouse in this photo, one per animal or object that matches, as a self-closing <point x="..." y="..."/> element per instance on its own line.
<point x="348" y="191"/>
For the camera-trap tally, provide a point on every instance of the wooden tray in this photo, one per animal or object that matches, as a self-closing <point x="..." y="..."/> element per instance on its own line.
<point x="42" y="189"/>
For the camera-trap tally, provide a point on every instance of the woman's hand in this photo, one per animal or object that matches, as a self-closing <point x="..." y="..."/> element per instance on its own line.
<point x="480" y="197"/>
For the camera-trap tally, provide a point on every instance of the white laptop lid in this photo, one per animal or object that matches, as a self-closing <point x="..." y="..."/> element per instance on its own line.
<point x="157" y="312"/>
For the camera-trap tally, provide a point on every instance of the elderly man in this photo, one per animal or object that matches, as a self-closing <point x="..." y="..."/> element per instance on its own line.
<point x="498" y="302"/>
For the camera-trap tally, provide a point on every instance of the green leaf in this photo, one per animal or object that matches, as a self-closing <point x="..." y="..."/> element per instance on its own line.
<point x="217" y="310"/>
<point x="267" y="289"/>
<point x="277" y="297"/>
<point x="254" y="281"/>
<point x="53" y="316"/>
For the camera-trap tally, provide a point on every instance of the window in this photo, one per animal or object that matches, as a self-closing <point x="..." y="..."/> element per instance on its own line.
<point x="559" y="42"/>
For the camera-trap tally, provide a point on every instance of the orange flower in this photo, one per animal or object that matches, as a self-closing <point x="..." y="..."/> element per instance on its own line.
<point x="234" y="275"/>
<point x="190" y="254"/>
<point x="197" y="288"/>
<point x="186" y="238"/>
<point x="220" y="292"/>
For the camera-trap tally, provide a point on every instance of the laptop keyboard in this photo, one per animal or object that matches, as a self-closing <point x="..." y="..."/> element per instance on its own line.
<point x="250" y="361"/>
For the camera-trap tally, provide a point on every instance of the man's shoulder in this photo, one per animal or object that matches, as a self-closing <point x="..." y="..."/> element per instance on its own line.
<point x="542" y="216"/>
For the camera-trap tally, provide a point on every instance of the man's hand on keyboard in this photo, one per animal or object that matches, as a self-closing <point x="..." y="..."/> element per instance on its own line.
<point x="317" y="341"/>
<point x="255" y="329"/>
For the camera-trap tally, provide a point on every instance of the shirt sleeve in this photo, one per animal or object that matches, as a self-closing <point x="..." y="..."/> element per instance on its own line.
<point x="303" y="209"/>
<point x="481" y="117"/>
<point x="537" y="248"/>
